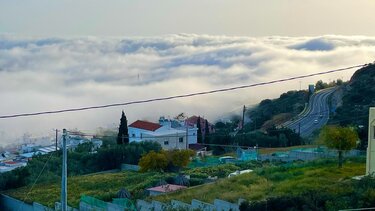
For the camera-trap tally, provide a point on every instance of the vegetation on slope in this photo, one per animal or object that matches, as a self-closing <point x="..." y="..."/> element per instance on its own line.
<point x="358" y="96"/>
<point x="102" y="186"/>
<point x="289" y="104"/>
<point x="320" y="180"/>
<point x="81" y="161"/>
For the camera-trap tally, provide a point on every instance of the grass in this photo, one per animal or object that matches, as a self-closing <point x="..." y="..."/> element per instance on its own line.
<point x="266" y="181"/>
<point x="101" y="186"/>
<point x="283" y="149"/>
<point x="274" y="181"/>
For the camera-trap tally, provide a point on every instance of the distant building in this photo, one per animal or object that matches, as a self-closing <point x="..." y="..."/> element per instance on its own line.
<point x="46" y="149"/>
<point x="193" y="120"/>
<point x="25" y="148"/>
<point x="162" y="189"/>
<point x="74" y="140"/>
<point x="10" y="165"/>
<point x="311" y="88"/>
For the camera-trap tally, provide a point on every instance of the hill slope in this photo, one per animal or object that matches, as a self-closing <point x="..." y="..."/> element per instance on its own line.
<point x="275" y="111"/>
<point x="358" y="96"/>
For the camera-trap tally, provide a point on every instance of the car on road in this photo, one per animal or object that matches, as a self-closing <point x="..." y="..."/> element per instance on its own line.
<point x="316" y="121"/>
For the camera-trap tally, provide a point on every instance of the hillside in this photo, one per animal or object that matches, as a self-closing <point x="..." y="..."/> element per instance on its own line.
<point x="319" y="180"/>
<point x="358" y="96"/>
<point x="275" y="111"/>
<point x="102" y="186"/>
<point x="317" y="185"/>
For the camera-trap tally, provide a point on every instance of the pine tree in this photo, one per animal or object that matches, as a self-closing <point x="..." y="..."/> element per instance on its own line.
<point x="199" y="132"/>
<point x="123" y="137"/>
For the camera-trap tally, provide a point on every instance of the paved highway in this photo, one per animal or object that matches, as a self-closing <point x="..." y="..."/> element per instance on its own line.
<point x="314" y="116"/>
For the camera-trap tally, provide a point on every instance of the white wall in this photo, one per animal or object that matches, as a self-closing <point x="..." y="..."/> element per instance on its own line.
<point x="135" y="134"/>
<point x="192" y="135"/>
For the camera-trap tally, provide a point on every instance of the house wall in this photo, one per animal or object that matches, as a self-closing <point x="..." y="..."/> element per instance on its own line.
<point x="370" y="161"/>
<point x="168" y="141"/>
<point x="135" y="134"/>
<point x="192" y="135"/>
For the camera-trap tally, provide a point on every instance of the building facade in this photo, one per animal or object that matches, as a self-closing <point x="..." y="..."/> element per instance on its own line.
<point x="165" y="135"/>
<point x="370" y="160"/>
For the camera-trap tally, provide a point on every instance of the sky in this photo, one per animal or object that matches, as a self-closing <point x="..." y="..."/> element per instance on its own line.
<point x="66" y="54"/>
<point x="214" y="17"/>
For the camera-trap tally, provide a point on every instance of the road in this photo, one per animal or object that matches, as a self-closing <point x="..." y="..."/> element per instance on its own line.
<point x="315" y="115"/>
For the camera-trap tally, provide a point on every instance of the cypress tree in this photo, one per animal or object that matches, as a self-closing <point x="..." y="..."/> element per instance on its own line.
<point x="122" y="136"/>
<point x="206" y="132"/>
<point x="199" y="132"/>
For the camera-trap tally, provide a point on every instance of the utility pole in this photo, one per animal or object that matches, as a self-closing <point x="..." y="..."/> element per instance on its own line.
<point x="243" y="117"/>
<point x="64" y="191"/>
<point x="56" y="140"/>
<point x="187" y="136"/>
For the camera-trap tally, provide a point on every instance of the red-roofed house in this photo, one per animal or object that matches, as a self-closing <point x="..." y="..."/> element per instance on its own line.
<point x="150" y="126"/>
<point x="166" y="136"/>
<point x="193" y="120"/>
<point x="137" y="128"/>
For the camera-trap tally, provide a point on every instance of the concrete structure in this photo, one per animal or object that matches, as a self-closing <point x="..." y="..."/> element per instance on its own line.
<point x="370" y="161"/>
<point x="162" y="189"/>
<point x="165" y="135"/>
<point x="168" y="138"/>
<point x="184" y="125"/>
<point x="247" y="154"/>
<point x="311" y="88"/>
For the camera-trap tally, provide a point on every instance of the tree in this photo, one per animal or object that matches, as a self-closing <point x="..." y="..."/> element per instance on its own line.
<point x="154" y="161"/>
<point x="180" y="158"/>
<point x="122" y="136"/>
<point x="199" y="132"/>
<point x="172" y="160"/>
<point x="339" y="138"/>
<point x="320" y="85"/>
<point x="206" y="132"/>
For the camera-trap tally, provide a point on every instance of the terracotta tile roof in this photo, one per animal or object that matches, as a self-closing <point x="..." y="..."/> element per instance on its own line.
<point x="10" y="162"/>
<point x="167" y="188"/>
<point x="145" y="125"/>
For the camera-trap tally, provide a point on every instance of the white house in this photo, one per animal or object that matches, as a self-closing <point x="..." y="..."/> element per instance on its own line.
<point x="181" y="125"/>
<point x="137" y="128"/>
<point x="165" y="135"/>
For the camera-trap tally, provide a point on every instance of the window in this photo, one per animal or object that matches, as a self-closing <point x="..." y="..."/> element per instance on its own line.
<point x="181" y="139"/>
<point x="193" y="134"/>
<point x="133" y="135"/>
<point x="166" y="142"/>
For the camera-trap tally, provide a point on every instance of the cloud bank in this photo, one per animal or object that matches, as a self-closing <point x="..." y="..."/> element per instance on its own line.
<point x="54" y="73"/>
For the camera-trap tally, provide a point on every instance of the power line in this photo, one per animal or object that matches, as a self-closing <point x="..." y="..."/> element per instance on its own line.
<point x="89" y="134"/>
<point x="178" y="96"/>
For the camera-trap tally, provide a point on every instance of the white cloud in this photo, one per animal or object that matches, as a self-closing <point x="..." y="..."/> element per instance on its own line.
<point x="54" y="73"/>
